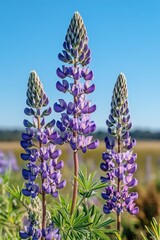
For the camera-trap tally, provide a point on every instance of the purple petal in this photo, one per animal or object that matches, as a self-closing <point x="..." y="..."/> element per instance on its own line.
<point x="25" y="144"/>
<point x="59" y="165"/>
<point x="77" y="75"/>
<point x="93" y="145"/>
<point x="67" y="56"/>
<point x="81" y="58"/>
<point x="56" y="154"/>
<point x="89" y="76"/>
<point x="25" y="156"/>
<point x="23" y="235"/>
<point x="26" y="192"/>
<point x="109" y="143"/>
<point x="61" y="58"/>
<point x="55" y="194"/>
<point x="106" y="156"/>
<point x="53" y="136"/>
<point x="60" y="87"/>
<point x="132" y="183"/>
<point x="61" y="184"/>
<point x="90" y="89"/>
<point x="61" y="127"/>
<point x="104" y="196"/>
<point x="92" y="109"/>
<point x="73" y="144"/>
<point x="132" y="209"/>
<point x="88" y="61"/>
<point x="51" y="124"/>
<point x="104" y="167"/>
<point x="57" y="108"/>
<point x="104" y="179"/>
<point x="60" y="73"/>
<point x="132" y="169"/>
<point x="133" y="196"/>
<point x="106" y="210"/>
<point x="43" y="121"/>
<point x="125" y="135"/>
<point x="29" y="111"/>
<point x="53" y="175"/>
<point x="27" y="124"/>
<point x="47" y="112"/>
<point x="84" y="149"/>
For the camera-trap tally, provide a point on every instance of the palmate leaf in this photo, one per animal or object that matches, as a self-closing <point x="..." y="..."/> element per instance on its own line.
<point x="88" y="184"/>
<point x="99" y="225"/>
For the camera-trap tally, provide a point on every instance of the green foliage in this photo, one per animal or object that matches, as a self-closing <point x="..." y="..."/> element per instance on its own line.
<point x="10" y="212"/>
<point x="154" y="231"/>
<point x="86" y="222"/>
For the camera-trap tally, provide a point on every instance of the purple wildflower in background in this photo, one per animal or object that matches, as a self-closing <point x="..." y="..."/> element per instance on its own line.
<point x="8" y="162"/>
<point x="40" y="154"/>
<point x="119" y="159"/>
<point x="75" y="124"/>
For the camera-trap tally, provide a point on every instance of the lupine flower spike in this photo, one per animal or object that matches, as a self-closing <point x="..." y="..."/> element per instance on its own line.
<point x="119" y="159"/>
<point x="43" y="169"/>
<point x="75" y="121"/>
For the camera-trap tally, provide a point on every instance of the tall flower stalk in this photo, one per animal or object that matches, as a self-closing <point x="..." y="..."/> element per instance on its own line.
<point x="75" y="121"/>
<point x="43" y="169"/>
<point x="119" y="159"/>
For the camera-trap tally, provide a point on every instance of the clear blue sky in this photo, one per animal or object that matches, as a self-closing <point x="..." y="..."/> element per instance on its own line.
<point x="124" y="36"/>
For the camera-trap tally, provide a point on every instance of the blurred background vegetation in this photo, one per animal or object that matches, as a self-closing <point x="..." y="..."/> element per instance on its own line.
<point x="148" y="174"/>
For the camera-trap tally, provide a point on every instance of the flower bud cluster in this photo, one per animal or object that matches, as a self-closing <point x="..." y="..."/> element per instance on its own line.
<point x="119" y="159"/>
<point x="32" y="226"/>
<point x="75" y="116"/>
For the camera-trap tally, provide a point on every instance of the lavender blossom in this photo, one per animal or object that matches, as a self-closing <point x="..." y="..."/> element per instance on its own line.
<point x="41" y="154"/>
<point x="119" y="159"/>
<point x="75" y="124"/>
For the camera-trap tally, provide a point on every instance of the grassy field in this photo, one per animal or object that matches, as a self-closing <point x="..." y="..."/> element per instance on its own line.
<point x="148" y="159"/>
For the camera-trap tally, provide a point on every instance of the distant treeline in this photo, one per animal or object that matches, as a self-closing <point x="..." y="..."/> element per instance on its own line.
<point x="138" y="134"/>
<point x="15" y="135"/>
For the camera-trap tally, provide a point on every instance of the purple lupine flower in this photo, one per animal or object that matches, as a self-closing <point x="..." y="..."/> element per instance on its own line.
<point x="36" y="141"/>
<point x="75" y="124"/>
<point x="119" y="159"/>
<point x="75" y="116"/>
<point x="41" y="154"/>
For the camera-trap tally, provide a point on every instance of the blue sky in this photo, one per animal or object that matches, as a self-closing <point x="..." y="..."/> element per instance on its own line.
<point x="124" y="36"/>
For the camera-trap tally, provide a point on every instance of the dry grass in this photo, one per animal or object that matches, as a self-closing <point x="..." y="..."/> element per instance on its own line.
<point x="154" y="145"/>
<point x="4" y="146"/>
